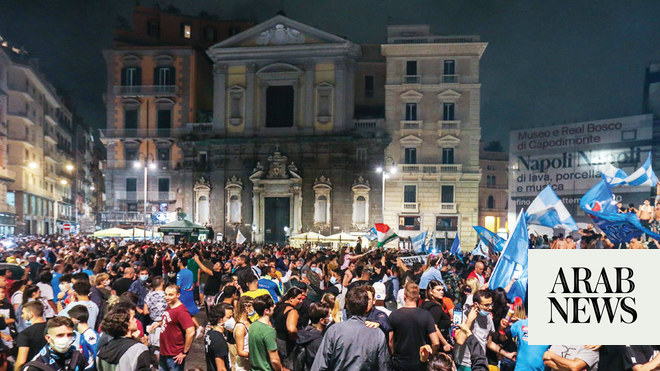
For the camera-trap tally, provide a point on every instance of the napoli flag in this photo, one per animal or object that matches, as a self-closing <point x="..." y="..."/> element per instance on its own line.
<point x="548" y="210"/>
<point x="644" y="176"/>
<point x="513" y="261"/>
<point x="492" y="240"/>
<point x="455" y="246"/>
<point x="418" y="242"/>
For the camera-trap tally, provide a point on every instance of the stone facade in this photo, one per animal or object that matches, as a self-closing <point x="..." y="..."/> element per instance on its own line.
<point x="432" y="100"/>
<point x="493" y="188"/>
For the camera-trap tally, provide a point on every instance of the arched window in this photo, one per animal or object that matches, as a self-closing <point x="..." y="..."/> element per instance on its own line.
<point x="320" y="210"/>
<point x="203" y="207"/>
<point x="491" y="202"/>
<point x="360" y="210"/>
<point x="234" y="210"/>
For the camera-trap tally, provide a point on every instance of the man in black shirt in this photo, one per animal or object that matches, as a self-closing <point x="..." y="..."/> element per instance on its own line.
<point x="412" y="328"/>
<point x="217" y="350"/>
<point x="31" y="340"/>
<point x="122" y="285"/>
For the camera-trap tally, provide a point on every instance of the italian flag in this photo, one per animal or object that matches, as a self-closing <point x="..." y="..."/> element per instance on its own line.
<point x="385" y="234"/>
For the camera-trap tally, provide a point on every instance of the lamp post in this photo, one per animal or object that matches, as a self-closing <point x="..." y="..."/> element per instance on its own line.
<point x="147" y="165"/>
<point x="385" y="174"/>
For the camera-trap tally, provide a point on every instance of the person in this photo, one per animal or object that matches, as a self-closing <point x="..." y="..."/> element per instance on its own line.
<point x="641" y="357"/>
<point x="262" y="342"/>
<point x="122" y="352"/>
<point x="412" y="328"/>
<point x="374" y="315"/>
<point x="99" y="294"/>
<point x="7" y="319"/>
<point x="86" y="338"/>
<point x="529" y="357"/>
<point x="645" y="213"/>
<point x="380" y="294"/>
<point x="350" y="344"/>
<point x="285" y="320"/>
<point x="250" y="285"/>
<point x="177" y="333"/>
<point x="31" y="340"/>
<point x="185" y="281"/>
<point x="478" y="273"/>
<point x="479" y="323"/>
<point x="211" y="280"/>
<point x="122" y="285"/>
<point x="437" y="307"/>
<point x="139" y="288"/>
<point x="432" y="273"/>
<point x="217" y="350"/>
<point x="58" y="354"/>
<point x="243" y="310"/>
<point x="573" y="357"/>
<point x="309" y="338"/>
<point x="47" y="296"/>
<point x="81" y="291"/>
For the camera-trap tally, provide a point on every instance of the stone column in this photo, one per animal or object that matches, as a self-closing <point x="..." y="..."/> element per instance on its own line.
<point x="309" y="98"/>
<point x="256" y="214"/>
<point x="249" y="98"/>
<point x="339" y="113"/>
<point x="219" y="97"/>
<point x="296" y="191"/>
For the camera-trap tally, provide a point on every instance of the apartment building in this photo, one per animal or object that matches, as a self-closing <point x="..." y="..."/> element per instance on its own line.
<point x="494" y="186"/>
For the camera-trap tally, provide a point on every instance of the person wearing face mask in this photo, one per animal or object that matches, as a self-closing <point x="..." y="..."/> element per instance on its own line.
<point x="309" y="338"/>
<point x="59" y="353"/>
<point x="139" y="288"/>
<point x="479" y="323"/>
<point x="99" y="295"/>
<point x="31" y="340"/>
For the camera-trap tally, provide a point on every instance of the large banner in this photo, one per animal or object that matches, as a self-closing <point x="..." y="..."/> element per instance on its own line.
<point x="570" y="158"/>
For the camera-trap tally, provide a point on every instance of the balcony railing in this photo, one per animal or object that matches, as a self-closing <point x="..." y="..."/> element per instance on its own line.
<point x="410" y="207"/>
<point x="447" y="207"/>
<point x="152" y="196"/>
<point x="122" y="217"/>
<point x="367" y="124"/>
<point x="450" y="79"/>
<point x="412" y="79"/>
<point x="431" y="169"/>
<point x="146" y="90"/>
<point x="411" y="124"/>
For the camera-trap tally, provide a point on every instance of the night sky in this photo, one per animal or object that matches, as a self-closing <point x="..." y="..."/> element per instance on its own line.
<point x="547" y="62"/>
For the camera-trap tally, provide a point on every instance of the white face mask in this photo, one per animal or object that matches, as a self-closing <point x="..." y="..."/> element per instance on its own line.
<point x="61" y="345"/>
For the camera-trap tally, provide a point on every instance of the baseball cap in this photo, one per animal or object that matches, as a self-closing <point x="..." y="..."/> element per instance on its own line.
<point x="379" y="287"/>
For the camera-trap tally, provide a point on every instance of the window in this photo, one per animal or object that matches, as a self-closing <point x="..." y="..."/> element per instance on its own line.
<point x="163" y="188"/>
<point x="491" y="203"/>
<point x="234" y="209"/>
<point x="131" y="188"/>
<point x="409" y="193"/>
<point x="236" y="105"/>
<point x="411" y="68"/>
<point x="186" y="30"/>
<point x="324" y="103"/>
<point x="447" y="194"/>
<point x="447" y="155"/>
<point x="368" y="86"/>
<point x="448" y="111"/>
<point x="279" y="106"/>
<point x="411" y="111"/>
<point x="130" y="118"/>
<point x="153" y="28"/>
<point x="33" y="205"/>
<point x="360" y="210"/>
<point x="164" y="76"/>
<point x="163" y="156"/>
<point x="320" y="210"/>
<point x="164" y="119"/>
<point x="130" y="154"/>
<point x="11" y="199"/>
<point x="361" y="156"/>
<point x="210" y="34"/>
<point x="410" y="156"/>
<point x="202" y="158"/>
<point x="410" y="223"/>
<point x="131" y="76"/>
<point x="449" y="67"/>
<point x="446" y="223"/>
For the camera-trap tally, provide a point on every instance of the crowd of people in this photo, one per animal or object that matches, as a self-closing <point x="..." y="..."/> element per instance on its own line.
<point x="92" y="304"/>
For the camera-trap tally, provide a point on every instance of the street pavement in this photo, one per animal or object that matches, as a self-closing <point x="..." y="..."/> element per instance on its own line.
<point x="197" y="355"/>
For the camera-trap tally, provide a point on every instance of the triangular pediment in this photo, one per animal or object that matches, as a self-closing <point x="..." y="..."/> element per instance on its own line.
<point x="411" y="95"/>
<point x="278" y="31"/>
<point x="449" y="94"/>
<point x="410" y="140"/>
<point x="449" y="139"/>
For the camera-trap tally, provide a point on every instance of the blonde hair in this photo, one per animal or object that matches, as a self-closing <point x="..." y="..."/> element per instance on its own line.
<point x="243" y="302"/>
<point x="472" y="283"/>
<point x="100" y="278"/>
<point x="519" y="312"/>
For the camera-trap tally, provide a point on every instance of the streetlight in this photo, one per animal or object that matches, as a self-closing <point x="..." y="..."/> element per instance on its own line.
<point x="385" y="174"/>
<point x="69" y="167"/>
<point x="147" y="165"/>
<point x="33" y="165"/>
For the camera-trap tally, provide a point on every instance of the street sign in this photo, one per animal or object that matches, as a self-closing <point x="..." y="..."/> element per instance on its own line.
<point x="66" y="226"/>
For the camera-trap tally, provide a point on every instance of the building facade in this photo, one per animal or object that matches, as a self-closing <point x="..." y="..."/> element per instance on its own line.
<point x="159" y="80"/>
<point x="432" y="100"/>
<point x="7" y="209"/>
<point x="39" y="148"/>
<point x="493" y="188"/>
<point x="89" y="185"/>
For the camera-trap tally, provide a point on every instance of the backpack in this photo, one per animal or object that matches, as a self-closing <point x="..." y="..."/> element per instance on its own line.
<point x="75" y="357"/>
<point x="299" y="355"/>
<point x="389" y="291"/>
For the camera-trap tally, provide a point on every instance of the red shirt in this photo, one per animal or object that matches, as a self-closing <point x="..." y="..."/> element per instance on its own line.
<point x="175" y="322"/>
<point x="479" y="277"/>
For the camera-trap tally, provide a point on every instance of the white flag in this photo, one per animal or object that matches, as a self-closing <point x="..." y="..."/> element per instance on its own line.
<point x="240" y="239"/>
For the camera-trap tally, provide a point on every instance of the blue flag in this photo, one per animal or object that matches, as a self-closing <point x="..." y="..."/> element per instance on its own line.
<point x="491" y="239"/>
<point x="600" y="205"/>
<point x="642" y="176"/>
<point x="513" y="260"/>
<point x="548" y="210"/>
<point x="418" y="242"/>
<point x="431" y="248"/>
<point x="519" y="288"/>
<point x="371" y="235"/>
<point x="480" y="250"/>
<point x="455" y="246"/>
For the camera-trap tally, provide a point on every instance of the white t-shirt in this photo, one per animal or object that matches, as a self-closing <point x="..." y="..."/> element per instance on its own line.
<point x="91" y="308"/>
<point x="47" y="294"/>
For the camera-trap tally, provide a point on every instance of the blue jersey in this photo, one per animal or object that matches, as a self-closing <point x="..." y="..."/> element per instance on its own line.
<point x="86" y="344"/>
<point x="530" y="357"/>
<point x="184" y="279"/>
<point x="272" y="288"/>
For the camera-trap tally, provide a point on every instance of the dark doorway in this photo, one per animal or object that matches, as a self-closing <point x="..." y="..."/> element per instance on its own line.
<point x="279" y="106"/>
<point x="276" y="217"/>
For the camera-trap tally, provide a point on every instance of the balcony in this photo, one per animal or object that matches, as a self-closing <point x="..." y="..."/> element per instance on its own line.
<point x="412" y="79"/>
<point x="146" y="90"/>
<point x="22" y="115"/>
<point x="450" y="79"/>
<point x="411" y="124"/>
<point x="22" y="90"/>
<point x="7" y="175"/>
<point x="449" y="127"/>
<point x="122" y="217"/>
<point x="447" y="207"/>
<point x="431" y="169"/>
<point x="368" y="124"/>
<point x="141" y="133"/>
<point x="152" y="196"/>
<point x="410" y="207"/>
